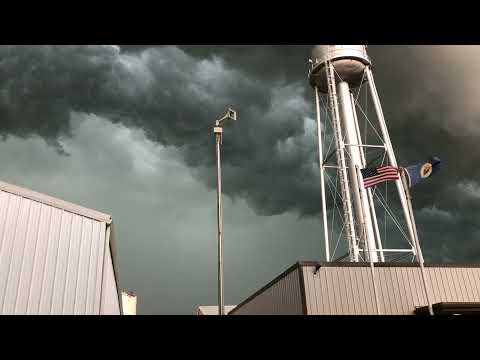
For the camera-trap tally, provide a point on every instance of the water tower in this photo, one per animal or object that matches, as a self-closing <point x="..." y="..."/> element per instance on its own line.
<point x="336" y="73"/>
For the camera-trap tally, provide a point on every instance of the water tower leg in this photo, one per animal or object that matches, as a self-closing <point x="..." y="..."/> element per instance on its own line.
<point x="322" y="179"/>
<point x="390" y="153"/>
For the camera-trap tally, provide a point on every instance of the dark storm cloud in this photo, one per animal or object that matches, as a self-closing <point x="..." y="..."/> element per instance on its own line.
<point x="429" y="95"/>
<point x="175" y="98"/>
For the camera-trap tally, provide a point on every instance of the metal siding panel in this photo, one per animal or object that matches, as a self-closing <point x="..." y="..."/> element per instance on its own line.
<point x="7" y="245"/>
<point x="362" y="298"/>
<point x="449" y="291"/>
<point x="13" y="272"/>
<point x="321" y="291"/>
<point x="110" y="303"/>
<point x="350" y="290"/>
<point x="101" y="238"/>
<point x="61" y="264"/>
<point x="414" y="286"/>
<point x="387" y="277"/>
<point x="28" y="259"/>
<point x="73" y="257"/>
<point x="314" y="292"/>
<point x="326" y="307"/>
<point x="324" y="304"/>
<point x="436" y="284"/>
<point x="92" y="265"/>
<point x="340" y="296"/>
<point x="353" y="290"/>
<point x="39" y="262"/>
<point x="400" y="296"/>
<point x="310" y="291"/>
<point x="48" y="277"/>
<point x="408" y="290"/>
<point x="419" y="286"/>
<point x="331" y="290"/>
<point x="441" y="285"/>
<point x="4" y="208"/>
<point x="366" y="290"/>
<point x="396" y="294"/>
<point x="458" y="284"/>
<point x="347" y="293"/>
<point x="466" y="283"/>
<point x="83" y="268"/>
<point x="453" y="284"/>
<point x="283" y="297"/>
<point x="407" y="283"/>
<point x="382" y="289"/>
<point x="46" y="265"/>
<point x="476" y="278"/>
<point x="473" y="284"/>
<point x="434" y="288"/>
<point x="463" y="285"/>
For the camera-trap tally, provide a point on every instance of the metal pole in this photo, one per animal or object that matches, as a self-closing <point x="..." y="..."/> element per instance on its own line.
<point x="221" y="305"/>
<point x="370" y="258"/>
<point x="389" y="149"/>
<point x="322" y="178"/>
<point x="360" y="200"/>
<point x="369" y="191"/>
<point x="344" y="183"/>
<point x="417" y="243"/>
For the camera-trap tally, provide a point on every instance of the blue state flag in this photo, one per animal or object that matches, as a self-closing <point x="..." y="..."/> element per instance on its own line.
<point x="422" y="171"/>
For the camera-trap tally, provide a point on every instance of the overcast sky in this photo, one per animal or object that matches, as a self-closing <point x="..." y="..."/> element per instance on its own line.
<point x="127" y="130"/>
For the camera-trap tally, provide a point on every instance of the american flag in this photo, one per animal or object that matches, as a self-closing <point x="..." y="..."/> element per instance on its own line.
<point x="374" y="176"/>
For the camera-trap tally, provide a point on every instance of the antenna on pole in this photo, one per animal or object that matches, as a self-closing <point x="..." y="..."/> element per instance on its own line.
<point x="218" y="131"/>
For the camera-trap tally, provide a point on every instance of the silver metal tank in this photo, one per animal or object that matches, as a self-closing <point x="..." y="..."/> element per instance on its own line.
<point x="349" y="62"/>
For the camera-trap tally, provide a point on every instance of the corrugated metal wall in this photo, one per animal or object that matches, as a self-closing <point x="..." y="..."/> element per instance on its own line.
<point x="349" y="290"/>
<point x="282" y="297"/>
<point x="51" y="260"/>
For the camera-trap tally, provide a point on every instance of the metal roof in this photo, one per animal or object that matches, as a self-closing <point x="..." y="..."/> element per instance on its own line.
<point x="55" y="257"/>
<point x="55" y="202"/>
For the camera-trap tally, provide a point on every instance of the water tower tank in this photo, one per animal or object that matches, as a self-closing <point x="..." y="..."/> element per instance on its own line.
<point x="349" y="62"/>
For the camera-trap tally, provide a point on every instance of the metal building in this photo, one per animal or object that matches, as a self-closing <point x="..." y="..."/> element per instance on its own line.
<point x="213" y="310"/>
<point x="329" y="288"/>
<point x="55" y="257"/>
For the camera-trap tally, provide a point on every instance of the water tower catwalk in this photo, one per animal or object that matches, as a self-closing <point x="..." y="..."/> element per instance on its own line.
<point x="361" y="164"/>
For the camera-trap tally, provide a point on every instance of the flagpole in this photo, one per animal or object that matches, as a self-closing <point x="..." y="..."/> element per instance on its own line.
<point x="417" y="243"/>
<point x="370" y="258"/>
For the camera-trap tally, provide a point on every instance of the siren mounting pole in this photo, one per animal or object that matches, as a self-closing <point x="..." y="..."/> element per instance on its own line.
<point x="221" y="304"/>
<point x="218" y="131"/>
<point x="322" y="178"/>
